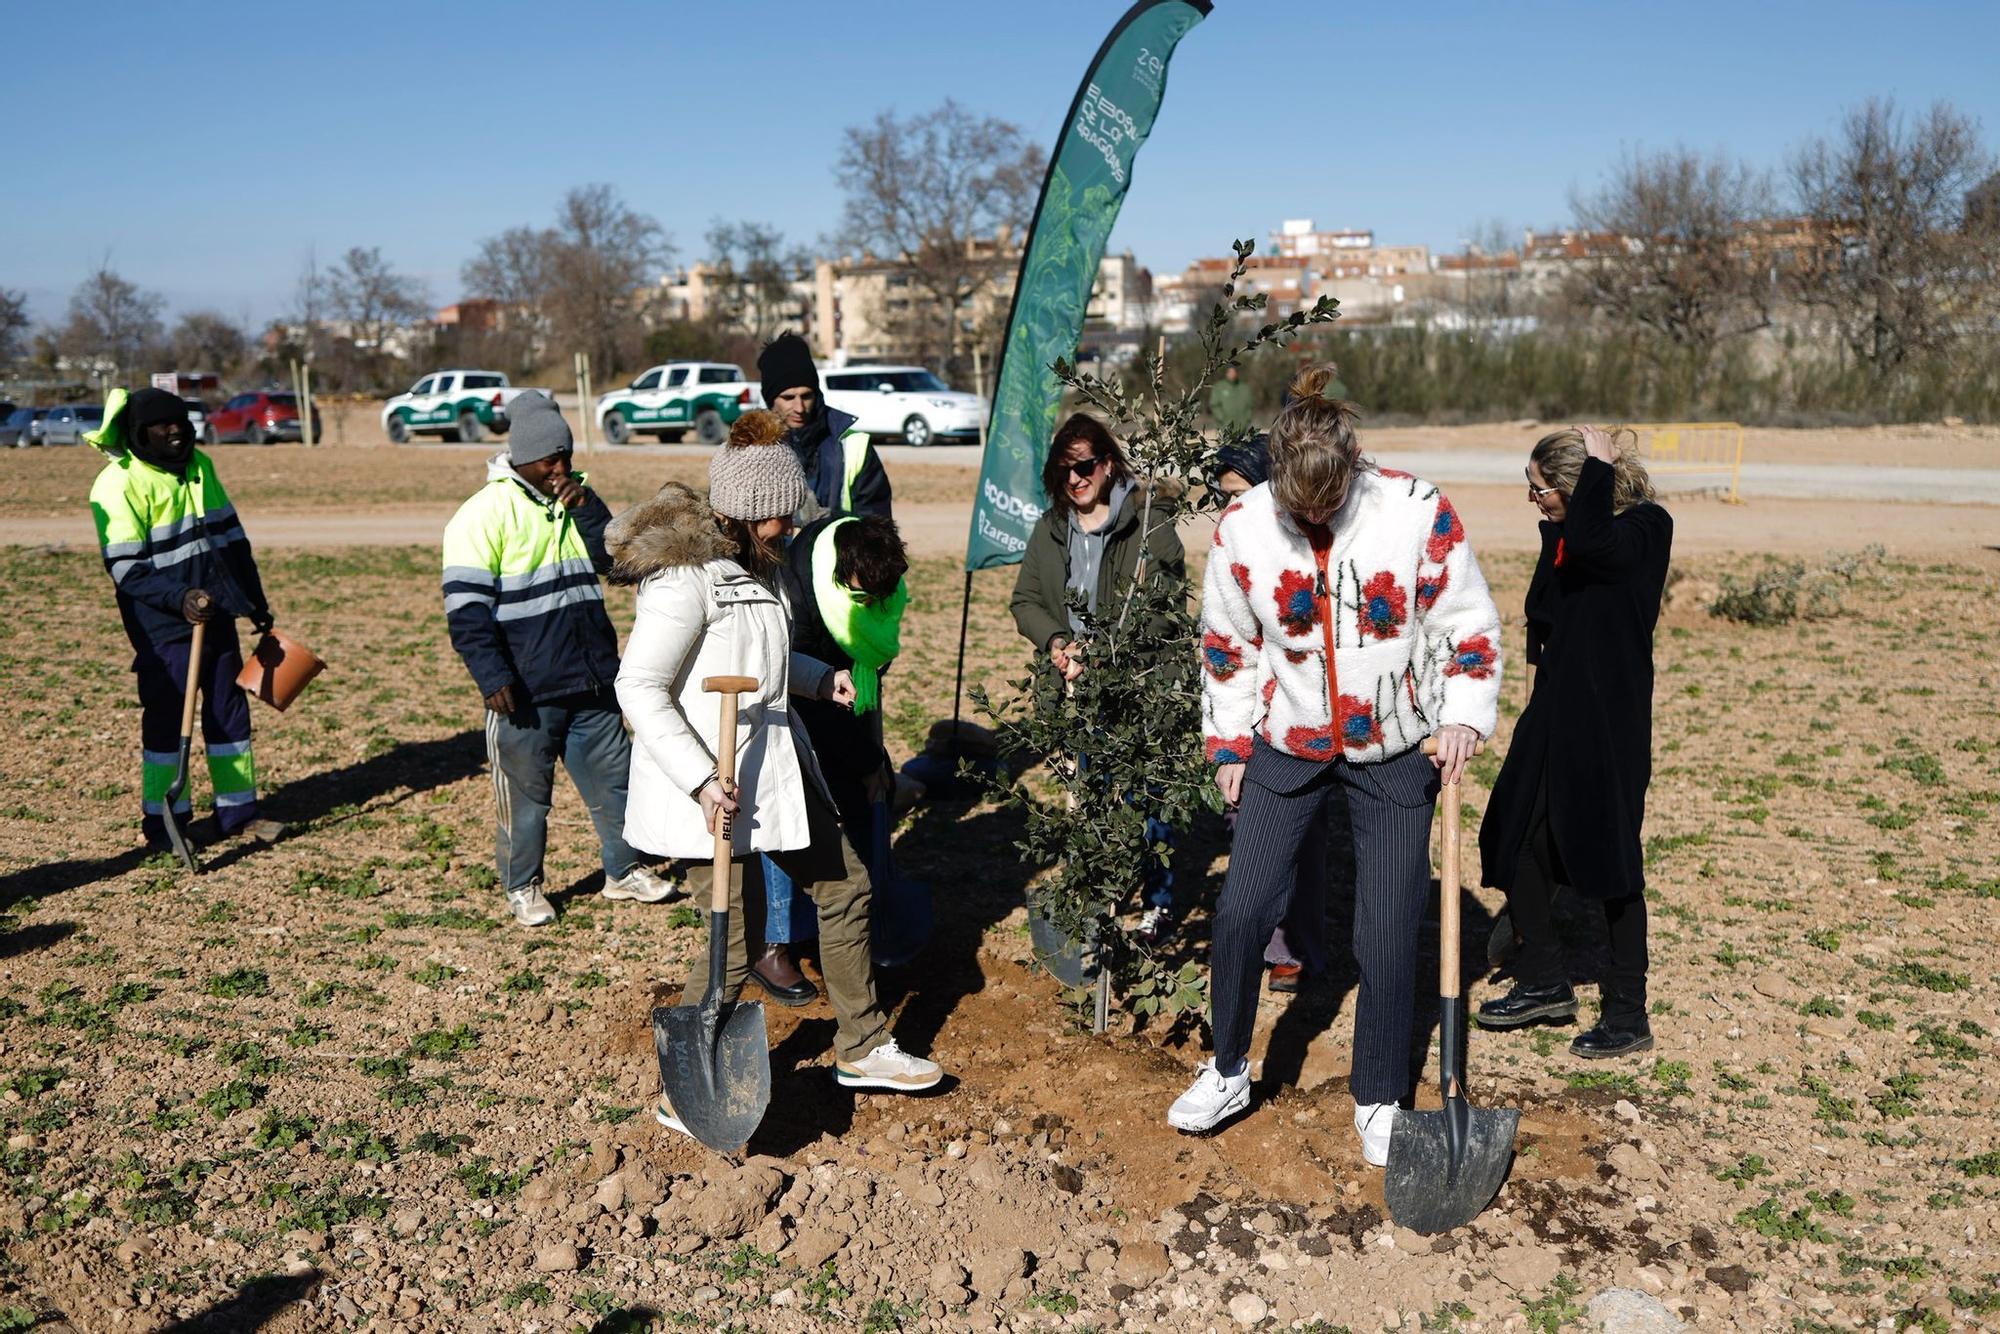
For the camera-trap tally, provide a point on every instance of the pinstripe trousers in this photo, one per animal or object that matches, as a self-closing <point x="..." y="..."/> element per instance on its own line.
<point x="1280" y="822"/>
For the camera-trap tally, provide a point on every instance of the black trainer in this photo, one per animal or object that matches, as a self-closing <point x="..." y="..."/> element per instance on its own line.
<point x="1527" y="1005"/>
<point x="1605" y="1040"/>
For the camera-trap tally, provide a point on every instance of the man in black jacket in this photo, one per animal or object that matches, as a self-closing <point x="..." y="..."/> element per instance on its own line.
<point x="842" y="469"/>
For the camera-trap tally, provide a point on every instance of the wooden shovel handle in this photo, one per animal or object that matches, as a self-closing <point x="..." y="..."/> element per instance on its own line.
<point x="1448" y="887"/>
<point x="193" y="679"/>
<point x="725" y="771"/>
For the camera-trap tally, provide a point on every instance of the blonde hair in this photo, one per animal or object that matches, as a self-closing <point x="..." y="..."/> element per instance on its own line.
<point x="1314" y="451"/>
<point x="1560" y="455"/>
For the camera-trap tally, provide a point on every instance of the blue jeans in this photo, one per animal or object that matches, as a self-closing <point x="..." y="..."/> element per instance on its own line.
<point x="788" y="915"/>
<point x="587" y="732"/>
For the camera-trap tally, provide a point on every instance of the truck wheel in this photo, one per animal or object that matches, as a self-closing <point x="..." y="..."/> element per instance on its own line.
<point x="617" y="430"/>
<point x="207" y="436"/>
<point x="398" y="430"/>
<point x="916" y="431"/>
<point x="708" y="427"/>
<point x="469" y="428"/>
<point x="253" y="434"/>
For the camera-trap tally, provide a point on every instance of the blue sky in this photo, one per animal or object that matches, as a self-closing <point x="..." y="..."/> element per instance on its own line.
<point x="266" y="131"/>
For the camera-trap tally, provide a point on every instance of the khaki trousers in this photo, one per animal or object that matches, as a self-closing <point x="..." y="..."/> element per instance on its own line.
<point x="837" y="879"/>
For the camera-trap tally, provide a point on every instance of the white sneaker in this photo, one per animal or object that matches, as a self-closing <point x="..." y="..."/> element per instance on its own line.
<point x="666" y="1116"/>
<point x="1212" y="1099"/>
<point x="531" y="907"/>
<point x="1375" y="1122"/>
<point x="642" y="884"/>
<point x="888" y="1067"/>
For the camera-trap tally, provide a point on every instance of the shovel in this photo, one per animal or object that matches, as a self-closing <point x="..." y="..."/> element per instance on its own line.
<point x="1447" y="1165"/>
<point x="715" y="1060"/>
<point x="176" y="836"/>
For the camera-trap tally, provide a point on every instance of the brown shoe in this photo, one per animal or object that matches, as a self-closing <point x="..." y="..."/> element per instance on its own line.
<point x="1286" y="976"/>
<point x="781" y="979"/>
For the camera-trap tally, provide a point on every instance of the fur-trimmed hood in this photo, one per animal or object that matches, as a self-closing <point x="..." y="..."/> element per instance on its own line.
<point x="675" y="528"/>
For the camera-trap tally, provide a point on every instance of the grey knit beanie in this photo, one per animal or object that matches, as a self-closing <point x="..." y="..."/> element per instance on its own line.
<point x="752" y="482"/>
<point x="536" y="429"/>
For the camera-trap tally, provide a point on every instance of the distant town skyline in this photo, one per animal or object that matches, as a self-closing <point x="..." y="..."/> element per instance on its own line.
<point x="424" y="130"/>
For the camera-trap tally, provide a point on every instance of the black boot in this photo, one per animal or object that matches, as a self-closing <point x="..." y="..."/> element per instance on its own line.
<point x="1609" y="1039"/>
<point x="1528" y="1005"/>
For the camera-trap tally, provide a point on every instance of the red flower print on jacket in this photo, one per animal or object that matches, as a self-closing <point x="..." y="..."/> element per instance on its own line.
<point x="1446" y="532"/>
<point x="1298" y="609"/>
<point x="1383" y="606"/>
<point x="1241" y="574"/>
<point x="1235" y="750"/>
<point x="1310" y="743"/>
<point x="1430" y="587"/>
<point x="1474" y="658"/>
<point x="1220" y="656"/>
<point x="1358" y="727"/>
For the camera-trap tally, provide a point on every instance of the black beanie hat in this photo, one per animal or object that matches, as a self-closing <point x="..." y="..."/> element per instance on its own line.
<point x="786" y="363"/>
<point x="152" y="407"/>
<point x="1250" y="460"/>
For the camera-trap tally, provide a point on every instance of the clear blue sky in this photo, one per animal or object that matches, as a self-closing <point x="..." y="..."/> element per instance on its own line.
<point x="207" y="148"/>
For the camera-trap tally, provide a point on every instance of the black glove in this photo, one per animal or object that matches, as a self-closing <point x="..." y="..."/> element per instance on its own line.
<point x="263" y="621"/>
<point x="198" y="605"/>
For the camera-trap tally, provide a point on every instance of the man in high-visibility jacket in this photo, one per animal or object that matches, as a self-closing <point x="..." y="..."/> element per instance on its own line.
<point x="526" y="612"/>
<point x="842" y="469"/>
<point x="177" y="555"/>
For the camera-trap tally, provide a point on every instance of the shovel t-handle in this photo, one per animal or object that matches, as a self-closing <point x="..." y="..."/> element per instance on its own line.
<point x="729" y="687"/>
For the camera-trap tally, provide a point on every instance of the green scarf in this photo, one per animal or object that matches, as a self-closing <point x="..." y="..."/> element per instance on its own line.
<point x="869" y="634"/>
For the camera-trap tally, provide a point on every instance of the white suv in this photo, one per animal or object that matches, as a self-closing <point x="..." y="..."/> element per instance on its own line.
<point x="907" y="401"/>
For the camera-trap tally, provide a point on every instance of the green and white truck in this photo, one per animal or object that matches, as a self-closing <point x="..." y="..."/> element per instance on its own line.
<point x="681" y="396"/>
<point x="452" y="405"/>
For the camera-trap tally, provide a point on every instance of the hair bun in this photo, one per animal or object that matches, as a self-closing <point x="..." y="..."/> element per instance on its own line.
<point x="1309" y="385"/>
<point x="757" y="427"/>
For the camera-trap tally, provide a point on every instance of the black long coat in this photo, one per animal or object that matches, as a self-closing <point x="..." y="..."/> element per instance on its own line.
<point x="1591" y="606"/>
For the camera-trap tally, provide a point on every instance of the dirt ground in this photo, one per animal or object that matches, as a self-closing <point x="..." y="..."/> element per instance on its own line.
<point x="329" y="1085"/>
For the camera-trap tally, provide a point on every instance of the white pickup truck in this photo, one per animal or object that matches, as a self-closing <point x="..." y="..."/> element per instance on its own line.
<point x="452" y="405"/>
<point x="680" y="396"/>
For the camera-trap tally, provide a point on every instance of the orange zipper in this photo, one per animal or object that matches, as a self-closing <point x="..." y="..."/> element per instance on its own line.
<point x="1326" y="632"/>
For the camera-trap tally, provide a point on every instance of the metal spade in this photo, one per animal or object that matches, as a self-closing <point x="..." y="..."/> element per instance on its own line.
<point x="1447" y="1165"/>
<point x="715" y="1058"/>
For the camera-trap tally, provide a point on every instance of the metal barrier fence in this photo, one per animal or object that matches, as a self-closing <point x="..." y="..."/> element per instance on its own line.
<point x="1675" y="449"/>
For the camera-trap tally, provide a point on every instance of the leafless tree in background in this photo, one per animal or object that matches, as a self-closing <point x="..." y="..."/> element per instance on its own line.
<point x="1686" y="270"/>
<point x="14" y="324"/>
<point x="919" y="192"/>
<point x="755" y="270"/>
<point x="1904" y="274"/>
<point x="205" y="340"/>
<point x="582" y="281"/>
<point x="111" y="321"/>
<point x="374" y="301"/>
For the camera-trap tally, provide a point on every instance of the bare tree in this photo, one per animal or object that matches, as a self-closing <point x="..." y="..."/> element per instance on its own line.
<point x="376" y="302"/>
<point x="921" y="192"/>
<point x="205" y="340"/>
<point x="754" y="273"/>
<point x="1900" y="274"/>
<point x="14" y="324"/>
<point x="580" y="280"/>
<point x="1685" y="268"/>
<point x="111" y="322"/>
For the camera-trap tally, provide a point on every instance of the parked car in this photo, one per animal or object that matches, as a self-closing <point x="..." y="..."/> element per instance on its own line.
<point x="197" y="416"/>
<point x="23" y="427"/>
<point x="906" y="401"/>
<point x="65" y="426"/>
<point x="451" y="405"/>
<point x="671" y="399"/>
<point x="257" y="419"/>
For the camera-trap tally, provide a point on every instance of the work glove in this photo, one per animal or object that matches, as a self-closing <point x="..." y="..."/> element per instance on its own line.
<point x="263" y="621"/>
<point x="198" y="605"/>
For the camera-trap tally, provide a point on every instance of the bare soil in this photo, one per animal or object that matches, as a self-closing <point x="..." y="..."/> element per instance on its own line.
<point x="328" y="1084"/>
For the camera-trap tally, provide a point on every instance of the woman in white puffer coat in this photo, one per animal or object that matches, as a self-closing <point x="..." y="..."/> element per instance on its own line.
<point x="707" y="570"/>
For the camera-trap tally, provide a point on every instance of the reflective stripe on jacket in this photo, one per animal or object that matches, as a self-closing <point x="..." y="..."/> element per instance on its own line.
<point x="162" y="534"/>
<point x="521" y="592"/>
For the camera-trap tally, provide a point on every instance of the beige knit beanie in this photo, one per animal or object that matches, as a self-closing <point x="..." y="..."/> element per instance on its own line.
<point x="755" y="476"/>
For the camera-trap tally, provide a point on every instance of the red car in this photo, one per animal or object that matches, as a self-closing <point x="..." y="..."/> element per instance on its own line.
<point x="257" y="419"/>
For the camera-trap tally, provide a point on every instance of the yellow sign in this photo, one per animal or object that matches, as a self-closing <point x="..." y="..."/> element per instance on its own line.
<point x="1674" y="449"/>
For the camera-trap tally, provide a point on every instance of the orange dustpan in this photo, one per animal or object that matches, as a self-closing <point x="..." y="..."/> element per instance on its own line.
<point x="279" y="669"/>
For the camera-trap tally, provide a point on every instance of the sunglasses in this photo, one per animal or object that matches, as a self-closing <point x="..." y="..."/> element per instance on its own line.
<point x="1085" y="467"/>
<point x="1537" y="492"/>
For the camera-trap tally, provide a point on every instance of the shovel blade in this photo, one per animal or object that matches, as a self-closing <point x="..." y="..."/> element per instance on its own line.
<point x="1429" y="1187"/>
<point x="1056" y="952"/>
<point x="715" y="1065"/>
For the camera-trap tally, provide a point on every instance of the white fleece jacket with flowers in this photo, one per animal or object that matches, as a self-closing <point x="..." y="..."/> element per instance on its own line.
<point x="1359" y="649"/>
